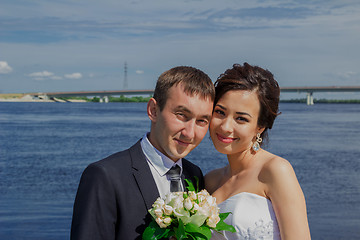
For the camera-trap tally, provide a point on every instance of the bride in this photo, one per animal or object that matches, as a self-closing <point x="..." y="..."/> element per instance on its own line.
<point x="259" y="188"/>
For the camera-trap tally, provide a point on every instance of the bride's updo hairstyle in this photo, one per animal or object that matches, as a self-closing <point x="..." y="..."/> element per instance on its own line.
<point x="252" y="78"/>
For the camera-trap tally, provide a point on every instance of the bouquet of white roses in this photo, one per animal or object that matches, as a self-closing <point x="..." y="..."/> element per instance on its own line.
<point x="186" y="215"/>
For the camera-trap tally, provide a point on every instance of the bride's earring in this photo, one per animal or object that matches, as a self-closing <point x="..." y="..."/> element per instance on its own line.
<point x="256" y="145"/>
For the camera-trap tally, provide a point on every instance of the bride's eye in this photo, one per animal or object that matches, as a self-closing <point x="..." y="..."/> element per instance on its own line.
<point x="242" y="119"/>
<point x="220" y="112"/>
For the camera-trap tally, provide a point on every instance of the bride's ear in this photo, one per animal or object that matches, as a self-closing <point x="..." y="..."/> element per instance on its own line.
<point x="261" y="130"/>
<point x="152" y="109"/>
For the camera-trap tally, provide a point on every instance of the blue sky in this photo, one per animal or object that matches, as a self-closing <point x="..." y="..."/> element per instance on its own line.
<point x="80" y="45"/>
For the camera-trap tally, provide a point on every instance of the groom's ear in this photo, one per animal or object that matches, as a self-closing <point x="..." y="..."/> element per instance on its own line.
<point x="152" y="109"/>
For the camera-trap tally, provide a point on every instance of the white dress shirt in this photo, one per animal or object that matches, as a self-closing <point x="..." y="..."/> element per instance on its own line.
<point x="159" y="166"/>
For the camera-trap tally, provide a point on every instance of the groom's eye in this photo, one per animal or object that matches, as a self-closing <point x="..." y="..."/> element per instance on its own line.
<point x="181" y="116"/>
<point x="203" y="122"/>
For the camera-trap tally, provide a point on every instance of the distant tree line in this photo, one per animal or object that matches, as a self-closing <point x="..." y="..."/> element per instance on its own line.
<point x="111" y="99"/>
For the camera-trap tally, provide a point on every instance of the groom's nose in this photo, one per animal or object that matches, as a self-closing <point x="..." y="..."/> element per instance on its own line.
<point x="189" y="130"/>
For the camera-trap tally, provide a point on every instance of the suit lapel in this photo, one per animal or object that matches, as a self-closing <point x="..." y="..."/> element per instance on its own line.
<point x="189" y="172"/>
<point x="143" y="175"/>
<point x="186" y="175"/>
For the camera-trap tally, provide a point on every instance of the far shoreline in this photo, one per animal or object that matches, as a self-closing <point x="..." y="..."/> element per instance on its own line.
<point x="28" y="98"/>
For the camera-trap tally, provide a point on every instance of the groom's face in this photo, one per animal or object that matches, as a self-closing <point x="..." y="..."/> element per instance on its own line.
<point x="181" y="125"/>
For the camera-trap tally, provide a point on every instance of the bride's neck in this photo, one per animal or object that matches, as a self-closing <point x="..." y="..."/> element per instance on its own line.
<point x="240" y="161"/>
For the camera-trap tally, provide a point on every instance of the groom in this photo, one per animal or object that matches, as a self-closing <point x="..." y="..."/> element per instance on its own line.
<point x="115" y="193"/>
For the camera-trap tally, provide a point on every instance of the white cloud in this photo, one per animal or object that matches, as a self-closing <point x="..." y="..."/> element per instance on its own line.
<point x="43" y="74"/>
<point x="139" y="71"/>
<point x="4" y="67"/>
<point x="73" y="76"/>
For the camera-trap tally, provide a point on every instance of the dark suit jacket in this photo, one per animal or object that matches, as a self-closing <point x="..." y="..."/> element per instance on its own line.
<point x="114" y="196"/>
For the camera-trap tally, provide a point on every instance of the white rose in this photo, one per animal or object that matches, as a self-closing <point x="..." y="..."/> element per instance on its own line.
<point x="167" y="221"/>
<point x="173" y="199"/>
<point x="192" y="195"/>
<point x="202" y="195"/>
<point x="160" y="222"/>
<point x="158" y="212"/>
<point x="168" y="209"/>
<point x="195" y="207"/>
<point x="214" y="209"/>
<point x="159" y="203"/>
<point x="211" y="200"/>
<point x="204" y="210"/>
<point x="188" y="204"/>
<point x="177" y="203"/>
<point x="213" y="220"/>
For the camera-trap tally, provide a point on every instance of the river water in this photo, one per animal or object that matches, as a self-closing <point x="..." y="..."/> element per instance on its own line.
<point x="44" y="147"/>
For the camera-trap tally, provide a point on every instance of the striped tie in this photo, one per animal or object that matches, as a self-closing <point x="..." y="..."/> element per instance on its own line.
<point x="175" y="178"/>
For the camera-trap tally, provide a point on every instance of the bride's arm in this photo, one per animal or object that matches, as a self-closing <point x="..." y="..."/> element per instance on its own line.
<point x="287" y="198"/>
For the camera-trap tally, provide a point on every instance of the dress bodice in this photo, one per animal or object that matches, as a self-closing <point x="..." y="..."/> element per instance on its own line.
<point x="252" y="216"/>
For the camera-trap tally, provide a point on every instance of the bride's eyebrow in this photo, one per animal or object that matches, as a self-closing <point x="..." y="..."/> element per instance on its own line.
<point x="244" y="113"/>
<point x="239" y="113"/>
<point x="220" y="106"/>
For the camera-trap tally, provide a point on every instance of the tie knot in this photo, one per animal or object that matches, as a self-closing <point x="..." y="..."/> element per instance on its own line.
<point x="174" y="172"/>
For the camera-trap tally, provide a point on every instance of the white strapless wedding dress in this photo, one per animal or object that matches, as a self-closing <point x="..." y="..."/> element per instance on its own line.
<point x="252" y="216"/>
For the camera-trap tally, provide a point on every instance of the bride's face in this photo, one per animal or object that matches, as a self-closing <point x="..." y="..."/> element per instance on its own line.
<point x="233" y="125"/>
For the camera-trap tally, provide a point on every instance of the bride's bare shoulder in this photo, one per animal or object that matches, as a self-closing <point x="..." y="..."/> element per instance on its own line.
<point x="213" y="178"/>
<point x="276" y="169"/>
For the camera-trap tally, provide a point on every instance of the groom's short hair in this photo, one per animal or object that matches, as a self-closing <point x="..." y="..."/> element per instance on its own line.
<point x="193" y="80"/>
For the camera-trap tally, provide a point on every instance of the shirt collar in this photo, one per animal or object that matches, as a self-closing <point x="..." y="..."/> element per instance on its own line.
<point x="158" y="160"/>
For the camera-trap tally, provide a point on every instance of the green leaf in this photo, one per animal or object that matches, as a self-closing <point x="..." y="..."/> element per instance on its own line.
<point x="180" y="231"/>
<point x="155" y="232"/>
<point x="190" y="186"/>
<point x="148" y="234"/>
<point x="224" y="215"/>
<point x="222" y="226"/>
<point x="197" y="183"/>
<point x="192" y="237"/>
<point x="197" y="236"/>
<point x="202" y="232"/>
<point x="165" y="233"/>
<point x="205" y="230"/>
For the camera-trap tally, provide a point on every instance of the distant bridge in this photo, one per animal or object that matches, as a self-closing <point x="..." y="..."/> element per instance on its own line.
<point x="311" y="90"/>
<point x="104" y="94"/>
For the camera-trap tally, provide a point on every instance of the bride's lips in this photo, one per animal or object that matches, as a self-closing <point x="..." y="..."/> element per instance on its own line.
<point x="225" y="139"/>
